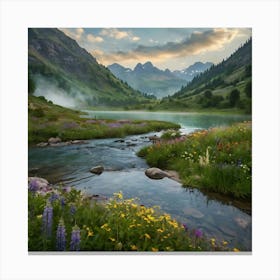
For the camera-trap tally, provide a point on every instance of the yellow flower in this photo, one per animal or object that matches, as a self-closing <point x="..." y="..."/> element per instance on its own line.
<point x="90" y="233"/>
<point x="168" y="248"/>
<point x="105" y="227"/>
<point x="154" y="249"/>
<point x="132" y="226"/>
<point x="112" y="239"/>
<point x="133" y="247"/>
<point x="87" y="228"/>
<point x="147" y="235"/>
<point x="213" y="241"/>
<point x="236" y="250"/>
<point x="160" y="230"/>
<point x="122" y="215"/>
<point x="225" y="243"/>
<point x="119" y="195"/>
<point x="39" y="216"/>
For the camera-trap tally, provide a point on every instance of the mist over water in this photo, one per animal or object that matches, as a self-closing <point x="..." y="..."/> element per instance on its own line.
<point x="50" y="90"/>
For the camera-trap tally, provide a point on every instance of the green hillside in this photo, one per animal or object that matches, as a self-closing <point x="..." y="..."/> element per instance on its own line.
<point x="227" y="86"/>
<point x="55" y="57"/>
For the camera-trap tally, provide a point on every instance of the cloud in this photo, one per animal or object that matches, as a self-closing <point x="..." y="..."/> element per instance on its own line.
<point x="198" y="42"/>
<point x="94" y="39"/>
<point x="119" y="34"/>
<point x="135" y="38"/>
<point x="114" y="33"/>
<point x="75" y="34"/>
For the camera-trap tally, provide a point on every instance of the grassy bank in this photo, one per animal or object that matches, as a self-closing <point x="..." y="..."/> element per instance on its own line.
<point x="218" y="160"/>
<point x="47" y="120"/>
<point x="63" y="219"/>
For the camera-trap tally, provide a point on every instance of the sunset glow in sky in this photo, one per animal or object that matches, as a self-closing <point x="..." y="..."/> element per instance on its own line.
<point x="173" y="48"/>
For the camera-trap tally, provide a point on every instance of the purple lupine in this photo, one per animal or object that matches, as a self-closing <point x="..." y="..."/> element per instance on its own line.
<point x="53" y="197"/>
<point x="198" y="233"/>
<point x="72" y="210"/>
<point x="61" y="236"/>
<point x="47" y="220"/>
<point x="75" y="239"/>
<point x="33" y="186"/>
<point x="62" y="202"/>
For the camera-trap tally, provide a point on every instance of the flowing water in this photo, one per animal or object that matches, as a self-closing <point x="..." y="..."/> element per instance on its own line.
<point x="124" y="171"/>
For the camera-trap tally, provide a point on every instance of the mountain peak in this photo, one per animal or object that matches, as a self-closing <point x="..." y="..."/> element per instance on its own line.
<point x="148" y="64"/>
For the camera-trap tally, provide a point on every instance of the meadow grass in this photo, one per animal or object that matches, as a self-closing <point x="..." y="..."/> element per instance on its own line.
<point x="64" y="219"/>
<point x="47" y="120"/>
<point x="218" y="160"/>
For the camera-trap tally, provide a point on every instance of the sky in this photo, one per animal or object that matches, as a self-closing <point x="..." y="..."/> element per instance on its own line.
<point x="172" y="48"/>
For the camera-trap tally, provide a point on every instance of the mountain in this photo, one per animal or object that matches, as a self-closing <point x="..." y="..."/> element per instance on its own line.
<point x="189" y="73"/>
<point x="149" y="79"/>
<point x="223" y="86"/>
<point x="62" y="71"/>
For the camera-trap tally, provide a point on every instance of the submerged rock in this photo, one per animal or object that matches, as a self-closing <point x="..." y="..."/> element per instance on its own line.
<point x="241" y="222"/>
<point x="193" y="213"/>
<point x="97" y="169"/>
<point x="156" y="173"/>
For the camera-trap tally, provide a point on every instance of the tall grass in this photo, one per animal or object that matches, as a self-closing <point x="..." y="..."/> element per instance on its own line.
<point x="218" y="159"/>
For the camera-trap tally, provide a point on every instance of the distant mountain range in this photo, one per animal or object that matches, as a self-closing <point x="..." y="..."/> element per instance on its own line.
<point x="151" y="80"/>
<point x="62" y="71"/>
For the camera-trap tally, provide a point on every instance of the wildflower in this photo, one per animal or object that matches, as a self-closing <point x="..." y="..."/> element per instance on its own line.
<point x="118" y="195"/>
<point x="72" y="210"/>
<point x="119" y="246"/>
<point x="225" y="243"/>
<point x="147" y="235"/>
<point x="198" y="233"/>
<point x="133" y="247"/>
<point x="236" y="250"/>
<point x="33" y="186"/>
<point x="160" y="230"/>
<point x="106" y="227"/>
<point x="39" y="216"/>
<point x="213" y="241"/>
<point x="90" y="233"/>
<point x="53" y="197"/>
<point x="154" y="249"/>
<point x="47" y="219"/>
<point x="122" y="215"/>
<point x="185" y="227"/>
<point x="168" y="248"/>
<point x="62" y="202"/>
<point x="60" y="236"/>
<point x="112" y="239"/>
<point x="75" y="239"/>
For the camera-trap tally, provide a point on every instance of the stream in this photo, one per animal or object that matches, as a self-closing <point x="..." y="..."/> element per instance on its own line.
<point x="217" y="217"/>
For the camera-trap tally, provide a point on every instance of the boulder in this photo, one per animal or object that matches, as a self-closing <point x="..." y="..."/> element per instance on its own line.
<point x="156" y="173"/>
<point x="97" y="169"/>
<point x="154" y="138"/>
<point x="40" y="184"/>
<point x="54" y="140"/>
<point x="42" y="144"/>
<point x="78" y="142"/>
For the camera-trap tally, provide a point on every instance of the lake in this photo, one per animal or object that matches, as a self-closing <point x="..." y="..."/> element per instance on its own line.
<point x="124" y="171"/>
